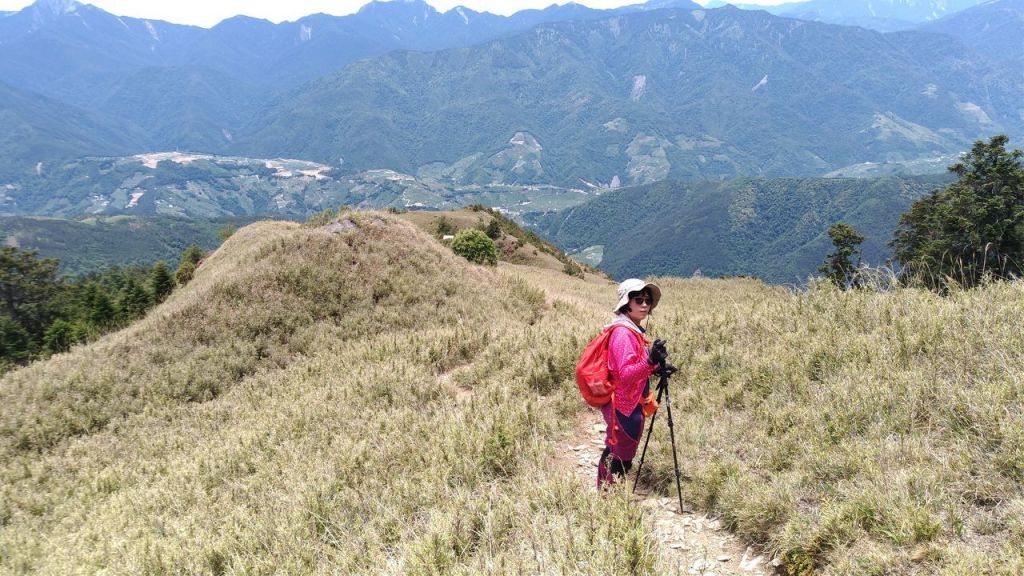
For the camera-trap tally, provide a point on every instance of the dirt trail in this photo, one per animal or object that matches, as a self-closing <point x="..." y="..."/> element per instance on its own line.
<point x="692" y="542"/>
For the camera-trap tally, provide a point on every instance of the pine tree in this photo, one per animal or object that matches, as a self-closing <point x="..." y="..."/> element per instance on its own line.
<point x="972" y="229"/>
<point x="160" y="282"/>
<point x="183" y="275"/>
<point x="29" y="286"/>
<point x="15" y="343"/>
<point x="193" y="255"/>
<point x="838" y="266"/>
<point x="134" y="299"/>
<point x="59" y="336"/>
<point x="190" y="260"/>
<point x="101" y="312"/>
<point x="493" y="229"/>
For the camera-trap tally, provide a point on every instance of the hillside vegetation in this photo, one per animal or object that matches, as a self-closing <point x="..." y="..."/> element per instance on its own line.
<point x="353" y="402"/>
<point x="853" y="432"/>
<point x="90" y="244"/>
<point x="774" y="229"/>
<point x="364" y="401"/>
<point x="207" y="186"/>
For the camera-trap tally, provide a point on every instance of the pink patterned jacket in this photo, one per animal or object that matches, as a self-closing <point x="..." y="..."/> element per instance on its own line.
<point x="627" y="365"/>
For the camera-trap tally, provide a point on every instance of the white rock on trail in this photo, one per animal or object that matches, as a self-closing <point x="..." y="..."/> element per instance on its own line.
<point x="751" y="561"/>
<point x="699" y="566"/>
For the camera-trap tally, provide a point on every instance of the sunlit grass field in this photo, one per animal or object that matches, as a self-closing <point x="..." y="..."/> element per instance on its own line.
<point x="856" y="432"/>
<point x="364" y="401"/>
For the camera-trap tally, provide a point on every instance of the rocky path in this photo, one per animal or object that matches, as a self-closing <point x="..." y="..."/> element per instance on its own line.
<point x="692" y="542"/>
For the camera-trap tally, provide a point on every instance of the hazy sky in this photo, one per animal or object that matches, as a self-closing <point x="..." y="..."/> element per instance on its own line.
<point x="209" y="12"/>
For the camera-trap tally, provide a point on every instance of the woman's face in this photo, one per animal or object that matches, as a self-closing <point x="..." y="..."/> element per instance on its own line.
<point x="639" y="306"/>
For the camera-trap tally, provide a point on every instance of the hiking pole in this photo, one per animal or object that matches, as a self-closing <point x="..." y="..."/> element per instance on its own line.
<point x="672" y="437"/>
<point x="663" y="390"/>
<point x="662" y="386"/>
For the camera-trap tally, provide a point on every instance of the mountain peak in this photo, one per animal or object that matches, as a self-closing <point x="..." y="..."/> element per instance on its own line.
<point x="662" y="4"/>
<point x="55" y="7"/>
<point x="397" y="4"/>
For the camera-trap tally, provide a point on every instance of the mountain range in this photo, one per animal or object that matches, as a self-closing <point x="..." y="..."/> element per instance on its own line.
<point x="639" y="98"/>
<point x="883" y="15"/>
<point x="66" y="50"/>
<point x="565" y="96"/>
<point x="186" y="87"/>
<point x="994" y="29"/>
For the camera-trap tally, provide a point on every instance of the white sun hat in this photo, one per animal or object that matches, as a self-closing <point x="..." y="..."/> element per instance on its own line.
<point x="635" y="285"/>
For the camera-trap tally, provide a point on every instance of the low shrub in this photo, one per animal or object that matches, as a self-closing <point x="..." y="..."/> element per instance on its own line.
<point x="475" y="246"/>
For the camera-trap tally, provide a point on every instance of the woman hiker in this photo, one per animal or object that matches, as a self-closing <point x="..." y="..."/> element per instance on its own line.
<point x="630" y="364"/>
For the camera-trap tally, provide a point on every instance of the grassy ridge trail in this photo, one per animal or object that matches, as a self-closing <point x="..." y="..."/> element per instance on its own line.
<point x="358" y="399"/>
<point x="689" y="543"/>
<point x="313" y="402"/>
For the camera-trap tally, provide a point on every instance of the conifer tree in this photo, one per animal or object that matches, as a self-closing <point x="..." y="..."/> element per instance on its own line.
<point x="160" y="282"/>
<point x="839" y="266"/>
<point x="493" y="229"/>
<point x="134" y="299"/>
<point x="15" y="343"/>
<point x="101" y="312"/>
<point x="193" y="254"/>
<point x="28" y="288"/>
<point x="183" y="275"/>
<point x="59" y="336"/>
<point x="974" y="227"/>
<point x="189" y="261"/>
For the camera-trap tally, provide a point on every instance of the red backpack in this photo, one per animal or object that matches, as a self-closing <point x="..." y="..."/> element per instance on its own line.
<point x="592" y="376"/>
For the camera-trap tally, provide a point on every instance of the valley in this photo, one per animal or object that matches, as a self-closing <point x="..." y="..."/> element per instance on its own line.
<point x="189" y="185"/>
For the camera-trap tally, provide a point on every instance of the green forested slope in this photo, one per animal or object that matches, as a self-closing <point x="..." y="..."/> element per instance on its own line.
<point x="35" y="129"/>
<point x="179" y="107"/>
<point x="89" y="244"/>
<point x="773" y="229"/>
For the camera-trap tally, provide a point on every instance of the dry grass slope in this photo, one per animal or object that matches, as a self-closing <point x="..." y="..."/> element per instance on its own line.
<point x="313" y="402"/>
<point x="855" y="432"/>
<point x="366" y="402"/>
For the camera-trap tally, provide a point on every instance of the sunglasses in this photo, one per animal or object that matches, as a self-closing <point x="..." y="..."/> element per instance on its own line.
<point x="638" y="300"/>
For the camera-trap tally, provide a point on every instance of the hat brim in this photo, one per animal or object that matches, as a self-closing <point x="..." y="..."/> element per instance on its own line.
<point x="655" y="296"/>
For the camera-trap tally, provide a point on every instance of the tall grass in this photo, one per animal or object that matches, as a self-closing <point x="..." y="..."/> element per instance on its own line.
<point x="854" y="432"/>
<point x="358" y="402"/>
<point x="367" y="402"/>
